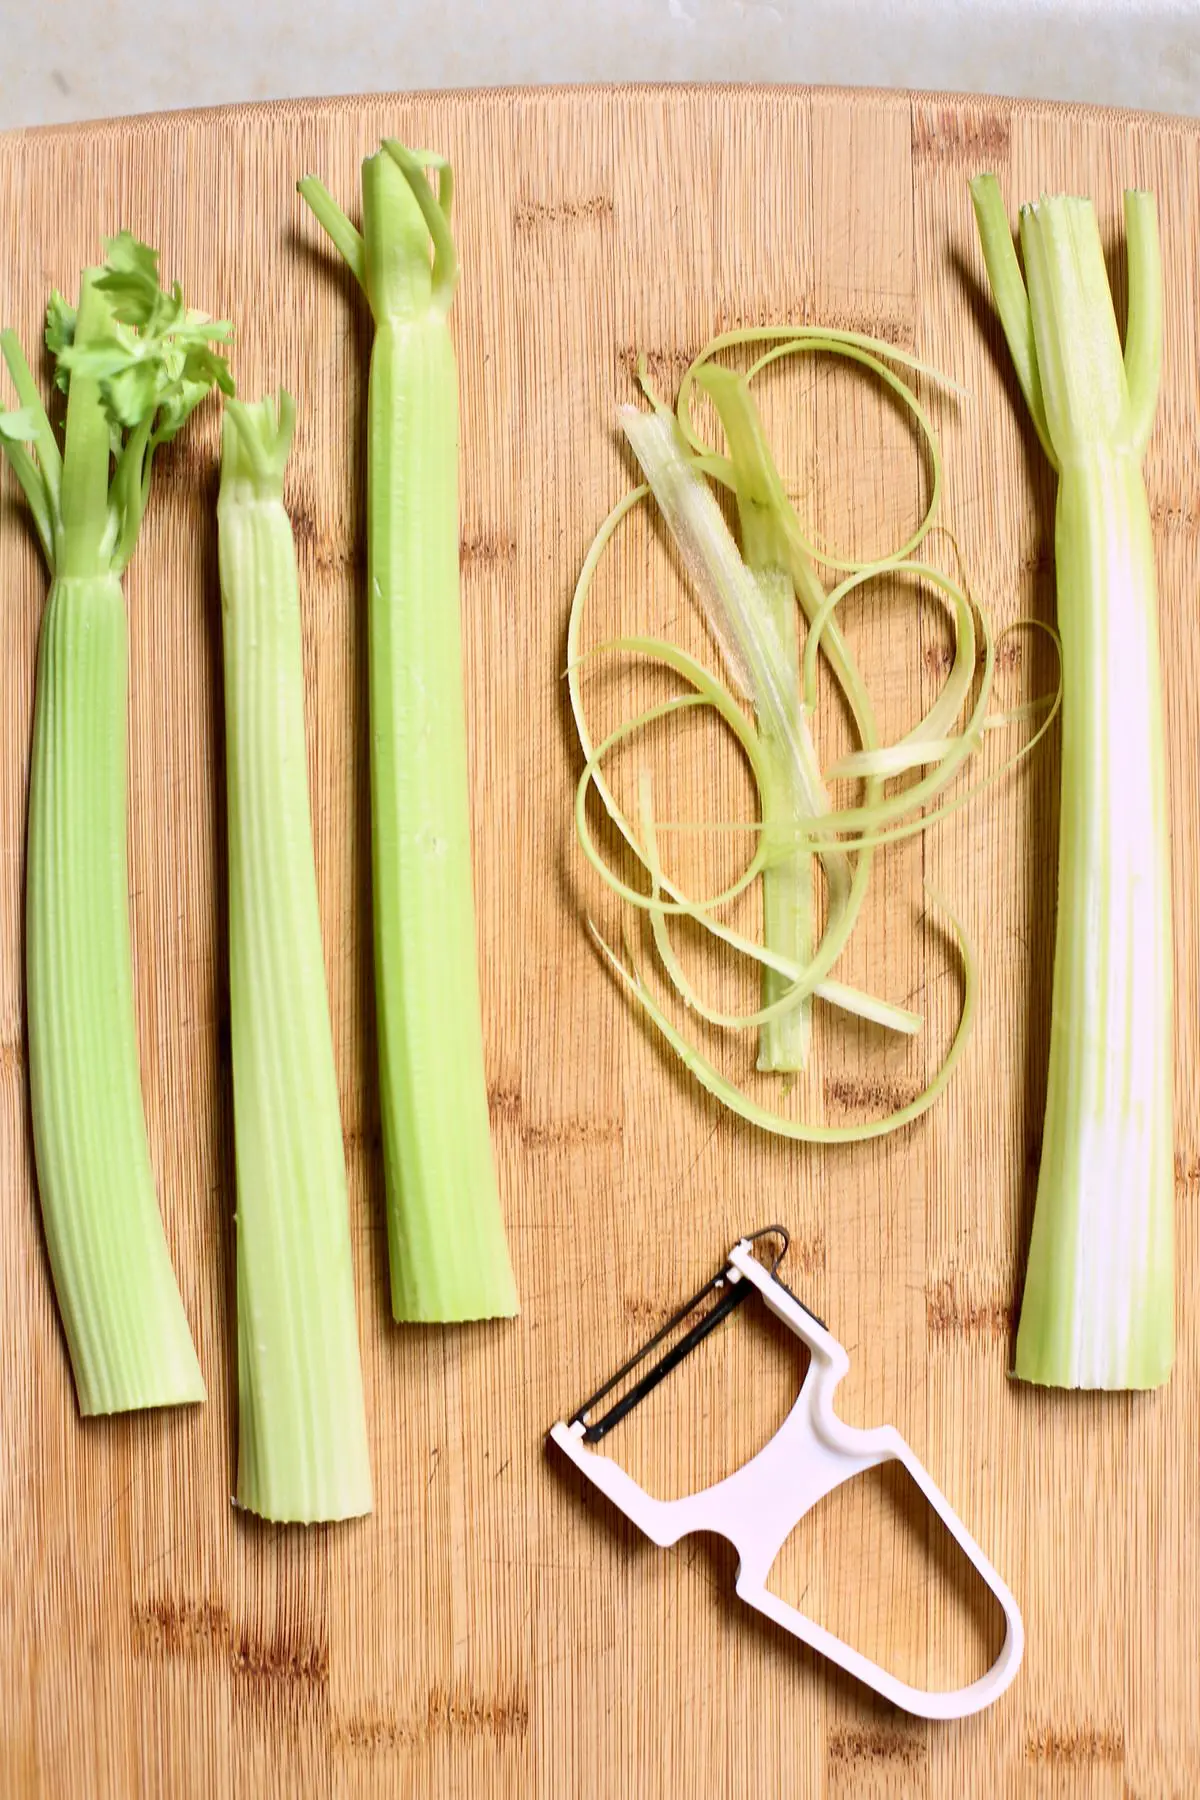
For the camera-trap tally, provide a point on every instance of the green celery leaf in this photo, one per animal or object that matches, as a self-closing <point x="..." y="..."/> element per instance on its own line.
<point x="131" y="394"/>
<point x="60" y="335"/>
<point x="152" y="359"/>
<point x="20" y="427"/>
<point x="131" y="283"/>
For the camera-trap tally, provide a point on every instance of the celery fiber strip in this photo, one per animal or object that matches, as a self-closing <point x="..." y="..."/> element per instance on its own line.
<point x="135" y="362"/>
<point x="787" y="882"/>
<point x="1098" y="1307"/>
<point x="448" y="1256"/>
<point x="302" y="1437"/>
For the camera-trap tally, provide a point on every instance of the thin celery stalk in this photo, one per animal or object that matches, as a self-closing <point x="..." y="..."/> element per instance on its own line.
<point x="123" y="1318"/>
<point x="448" y="1255"/>
<point x="302" y="1442"/>
<point x="1098" y="1308"/>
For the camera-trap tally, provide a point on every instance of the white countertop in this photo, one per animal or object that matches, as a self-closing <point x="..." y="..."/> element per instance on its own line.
<point x="64" y="60"/>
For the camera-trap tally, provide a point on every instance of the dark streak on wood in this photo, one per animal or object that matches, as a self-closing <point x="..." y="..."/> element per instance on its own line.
<point x="890" y="327"/>
<point x="190" y="462"/>
<point x="950" y="1313"/>
<point x="488" y="549"/>
<point x="363" y="1140"/>
<point x="538" y="215"/>
<point x="665" y="365"/>
<point x="281" y="1659"/>
<point x="455" y="1712"/>
<point x="878" y="1094"/>
<point x="506" y="1109"/>
<point x="319" y="545"/>
<point x="167" y="1626"/>
<point x="1075" y="1744"/>
<point x="571" y="1134"/>
<point x="954" y="134"/>
<point x="505" y="1104"/>
<point x="1174" y="517"/>
<point x="875" y="1744"/>
<point x="177" y="1627"/>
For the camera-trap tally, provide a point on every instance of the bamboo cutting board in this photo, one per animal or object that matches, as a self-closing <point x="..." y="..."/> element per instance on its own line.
<point x="493" y="1629"/>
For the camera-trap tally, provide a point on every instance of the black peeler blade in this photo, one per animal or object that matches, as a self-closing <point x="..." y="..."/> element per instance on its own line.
<point x="732" y="1291"/>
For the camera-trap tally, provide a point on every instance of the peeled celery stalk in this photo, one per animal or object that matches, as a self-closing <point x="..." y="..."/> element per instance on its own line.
<point x="447" y="1250"/>
<point x="136" y="362"/>
<point x="302" y="1437"/>
<point x="1098" y="1309"/>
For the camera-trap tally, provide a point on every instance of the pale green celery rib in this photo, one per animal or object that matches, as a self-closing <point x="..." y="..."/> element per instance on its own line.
<point x="1098" y="1308"/>
<point x="449" y="1258"/>
<point x="302" y="1439"/>
<point x="448" y="1255"/>
<point x="126" y="1331"/>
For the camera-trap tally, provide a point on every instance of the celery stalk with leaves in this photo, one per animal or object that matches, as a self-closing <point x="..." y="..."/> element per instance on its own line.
<point x="1098" y="1308"/>
<point x="447" y="1250"/>
<point x="302" y="1437"/>
<point x="135" y="362"/>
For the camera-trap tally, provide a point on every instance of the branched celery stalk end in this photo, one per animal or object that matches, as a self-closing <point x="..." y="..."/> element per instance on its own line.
<point x="302" y="1449"/>
<point x="1098" y="1307"/>
<point x="448" y="1255"/>
<point x="135" y="362"/>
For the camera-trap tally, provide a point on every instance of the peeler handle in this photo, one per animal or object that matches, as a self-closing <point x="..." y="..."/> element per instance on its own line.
<point x="754" y="1572"/>
<point x="813" y="1452"/>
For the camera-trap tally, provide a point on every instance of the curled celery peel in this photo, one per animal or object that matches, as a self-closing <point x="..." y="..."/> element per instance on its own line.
<point x="753" y="600"/>
<point x="448" y="1255"/>
<point x="1098" y="1306"/>
<point x="134" y="362"/>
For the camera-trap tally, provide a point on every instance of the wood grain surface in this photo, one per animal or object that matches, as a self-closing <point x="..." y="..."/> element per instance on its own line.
<point x="493" y="1629"/>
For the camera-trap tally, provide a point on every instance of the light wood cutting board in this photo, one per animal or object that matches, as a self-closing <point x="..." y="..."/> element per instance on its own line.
<point x="493" y="1630"/>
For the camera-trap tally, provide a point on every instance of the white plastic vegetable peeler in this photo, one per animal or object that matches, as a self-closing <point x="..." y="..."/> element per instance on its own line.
<point x="757" y="1506"/>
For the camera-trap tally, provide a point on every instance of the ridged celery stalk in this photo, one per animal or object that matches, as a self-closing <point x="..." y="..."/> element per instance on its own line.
<point x="1098" y="1310"/>
<point x="448" y="1255"/>
<point x="302" y="1425"/>
<point x="137" y="363"/>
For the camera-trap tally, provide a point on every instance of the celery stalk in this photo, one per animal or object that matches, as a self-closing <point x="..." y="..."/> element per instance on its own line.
<point x="447" y="1250"/>
<point x="135" y="362"/>
<point x="302" y="1452"/>
<point x="1098" y="1309"/>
